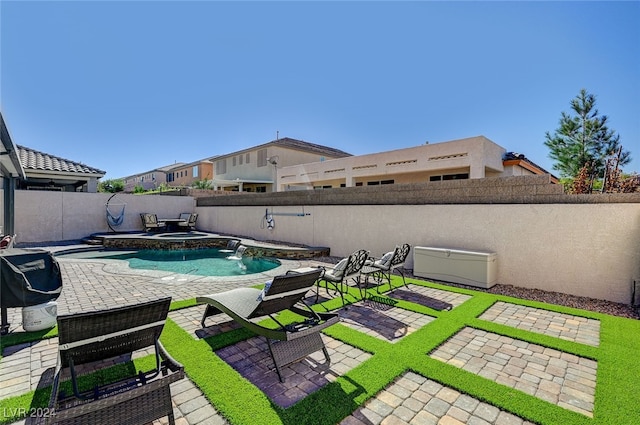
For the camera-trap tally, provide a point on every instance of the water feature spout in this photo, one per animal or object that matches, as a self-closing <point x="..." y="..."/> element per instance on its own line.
<point x="238" y="254"/>
<point x="231" y="245"/>
<point x="238" y="257"/>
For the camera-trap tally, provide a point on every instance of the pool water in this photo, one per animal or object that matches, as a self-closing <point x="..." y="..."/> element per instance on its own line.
<point x="201" y="262"/>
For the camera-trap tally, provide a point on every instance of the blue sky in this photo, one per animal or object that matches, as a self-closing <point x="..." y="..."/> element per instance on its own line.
<point x="128" y="86"/>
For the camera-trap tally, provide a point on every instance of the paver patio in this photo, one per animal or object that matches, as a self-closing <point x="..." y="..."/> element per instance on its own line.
<point x="551" y="375"/>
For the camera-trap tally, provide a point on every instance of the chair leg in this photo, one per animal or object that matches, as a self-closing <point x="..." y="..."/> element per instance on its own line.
<point x="207" y="313"/>
<point x="275" y="362"/>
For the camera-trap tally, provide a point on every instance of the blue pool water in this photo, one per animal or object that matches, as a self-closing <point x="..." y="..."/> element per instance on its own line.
<point x="202" y="262"/>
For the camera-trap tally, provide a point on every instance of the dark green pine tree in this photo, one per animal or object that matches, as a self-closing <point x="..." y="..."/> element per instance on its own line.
<point x="583" y="138"/>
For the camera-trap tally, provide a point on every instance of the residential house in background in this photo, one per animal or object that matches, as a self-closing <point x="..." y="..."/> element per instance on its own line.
<point x="254" y="169"/>
<point x="470" y="158"/>
<point x="48" y="172"/>
<point x="188" y="174"/>
<point x="149" y="180"/>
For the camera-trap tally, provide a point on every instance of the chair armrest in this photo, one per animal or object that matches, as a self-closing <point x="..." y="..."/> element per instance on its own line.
<point x="168" y="360"/>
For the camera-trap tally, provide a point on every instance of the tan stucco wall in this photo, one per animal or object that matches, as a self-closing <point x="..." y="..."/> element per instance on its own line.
<point x="42" y="216"/>
<point x="588" y="249"/>
<point x="581" y="249"/>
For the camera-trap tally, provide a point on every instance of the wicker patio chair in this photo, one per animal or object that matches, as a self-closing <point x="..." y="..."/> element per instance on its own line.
<point x="287" y="343"/>
<point x="347" y="269"/>
<point x="389" y="262"/>
<point x="89" y="339"/>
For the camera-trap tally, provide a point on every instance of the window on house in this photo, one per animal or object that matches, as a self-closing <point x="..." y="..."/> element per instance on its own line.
<point x="240" y="158"/>
<point x="194" y="170"/>
<point x="261" y="189"/>
<point x="246" y="158"/>
<point x="459" y="176"/>
<point x="387" y="182"/>
<point x="233" y="161"/>
<point x="221" y="167"/>
<point x="262" y="157"/>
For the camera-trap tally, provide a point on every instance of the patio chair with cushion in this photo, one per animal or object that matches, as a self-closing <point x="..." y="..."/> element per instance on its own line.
<point x="150" y="222"/>
<point x="91" y="338"/>
<point x="347" y="269"/>
<point x="389" y="262"/>
<point x="287" y="343"/>
<point x="190" y="222"/>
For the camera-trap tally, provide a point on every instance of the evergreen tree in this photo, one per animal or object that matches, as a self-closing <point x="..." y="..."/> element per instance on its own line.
<point x="583" y="139"/>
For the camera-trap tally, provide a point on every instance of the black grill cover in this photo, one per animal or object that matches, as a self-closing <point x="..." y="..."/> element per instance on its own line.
<point x="28" y="277"/>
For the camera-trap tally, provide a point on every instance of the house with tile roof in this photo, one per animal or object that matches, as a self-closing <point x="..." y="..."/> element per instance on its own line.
<point x="44" y="171"/>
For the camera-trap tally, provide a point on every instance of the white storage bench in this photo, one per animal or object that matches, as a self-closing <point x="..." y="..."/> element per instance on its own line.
<point x="472" y="268"/>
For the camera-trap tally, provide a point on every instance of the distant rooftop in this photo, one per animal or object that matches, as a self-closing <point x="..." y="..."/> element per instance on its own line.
<point x="518" y="156"/>
<point x="290" y="143"/>
<point x="34" y="160"/>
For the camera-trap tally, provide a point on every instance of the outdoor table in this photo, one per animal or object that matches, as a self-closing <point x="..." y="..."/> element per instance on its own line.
<point x="363" y="280"/>
<point x="172" y="223"/>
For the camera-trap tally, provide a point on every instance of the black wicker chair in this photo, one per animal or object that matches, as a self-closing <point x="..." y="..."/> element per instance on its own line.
<point x="90" y="338"/>
<point x="288" y="343"/>
<point x="339" y="276"/>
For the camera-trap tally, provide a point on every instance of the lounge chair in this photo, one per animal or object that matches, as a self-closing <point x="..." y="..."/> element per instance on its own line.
<point x="190" y="222"/>
<point x="287" y="343"/>
<point x="91" y="338"/>
<point x="150" y="222"/>
<point x="339" y="276"/>
<point x="393" y="260"/>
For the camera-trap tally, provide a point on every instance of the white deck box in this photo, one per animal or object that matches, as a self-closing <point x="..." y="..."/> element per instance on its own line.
<point x="472" y="268"/>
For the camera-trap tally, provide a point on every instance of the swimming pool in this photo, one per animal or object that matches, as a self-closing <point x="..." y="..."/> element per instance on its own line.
<point x="201" y="262"/>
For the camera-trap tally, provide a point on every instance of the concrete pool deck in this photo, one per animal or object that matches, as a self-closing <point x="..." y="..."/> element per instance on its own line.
<point x="96" y="284"/>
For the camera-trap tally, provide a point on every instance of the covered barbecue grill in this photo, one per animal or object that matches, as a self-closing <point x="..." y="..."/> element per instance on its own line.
<point x="27" y="278"/>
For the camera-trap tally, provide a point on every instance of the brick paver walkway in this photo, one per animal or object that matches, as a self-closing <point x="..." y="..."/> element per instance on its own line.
<point x="567" y="380"/>
<point x="251" y="359"/>
<point x="560" y="378"/>
<point x="414" y="399"/>
<point x="560" y="325"/>
<point x="429" y="297"/>
<point x="382" y="321"/>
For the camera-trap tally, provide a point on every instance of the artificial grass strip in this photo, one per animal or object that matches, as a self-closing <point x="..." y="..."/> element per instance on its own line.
<point x="617" y="398"/>
<point x="178" y="305"/>
<point x="235" y="397"/>
<point x="17" y="338"/>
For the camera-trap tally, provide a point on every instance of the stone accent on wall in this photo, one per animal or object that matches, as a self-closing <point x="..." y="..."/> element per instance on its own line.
<point x="168" y="243"/>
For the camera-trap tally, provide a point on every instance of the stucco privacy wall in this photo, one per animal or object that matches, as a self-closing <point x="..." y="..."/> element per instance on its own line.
<point x="590" y="250"/>
<point x="42" y="216"/>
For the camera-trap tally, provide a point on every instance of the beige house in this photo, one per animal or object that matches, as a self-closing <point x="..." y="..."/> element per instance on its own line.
<point x="470" y="158"/>
<point x="255" y="169"/>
